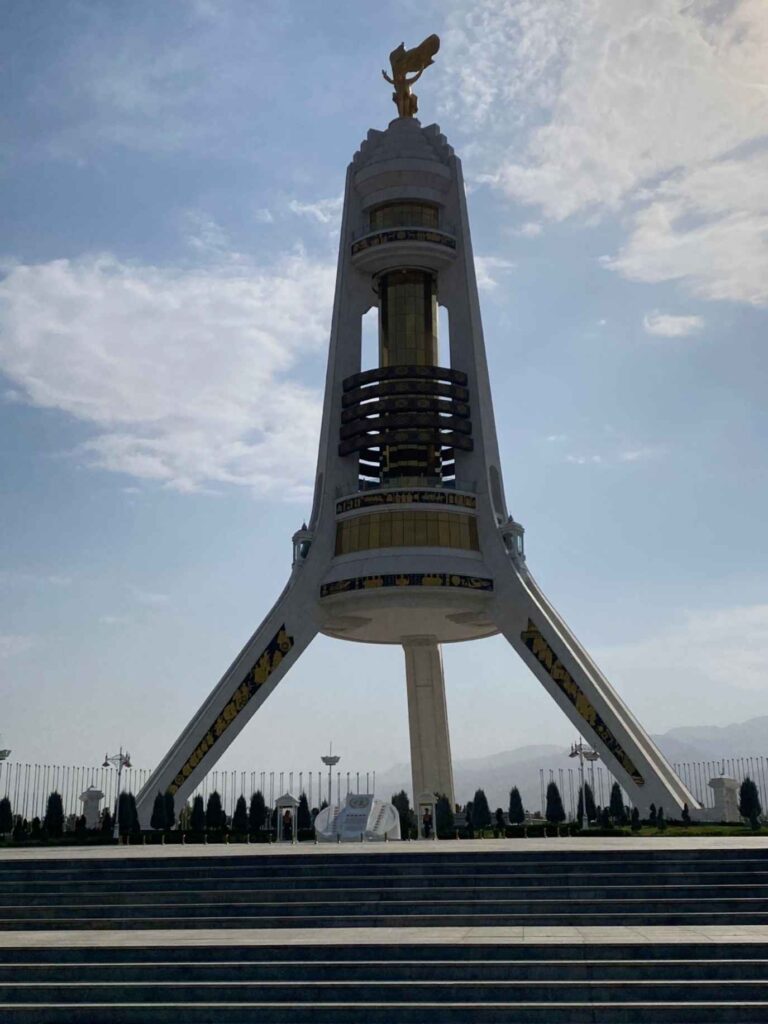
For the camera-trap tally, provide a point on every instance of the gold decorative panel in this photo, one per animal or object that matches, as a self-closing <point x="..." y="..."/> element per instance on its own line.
<point x="538" y="646"/>
<point x="407" y="530"/>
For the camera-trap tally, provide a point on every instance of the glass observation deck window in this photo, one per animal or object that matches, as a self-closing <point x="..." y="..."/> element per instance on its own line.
<point x="403" y="215"/>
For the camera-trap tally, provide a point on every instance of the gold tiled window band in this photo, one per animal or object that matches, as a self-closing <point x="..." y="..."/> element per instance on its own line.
<point x="408" y="215"/>
<point x="407" y="530"/>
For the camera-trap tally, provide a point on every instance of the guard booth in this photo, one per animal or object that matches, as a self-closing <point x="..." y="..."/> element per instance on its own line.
<point x="426" y="816"/>
<point x="287" y="803"/>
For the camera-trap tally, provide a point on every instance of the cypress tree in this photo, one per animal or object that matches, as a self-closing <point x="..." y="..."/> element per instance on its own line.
<point x="686" y="815"/>
<point x="54" y="815"/>
<point x="555" y="812"/>
<point x="444" y="821"/>
<point x="403" y="807"/>
<point x="616" y="805"/>
<point x="6" y="816"/>
<point x="749" y="802"/>
<point x="197" y="818"/>
<point x="257" y="813"/>
<point x="124" y="816"/>
<point x="635" y="820"/>
<point x="589" y="803"/>
<point x="213" y="813"/>
<point x="135" y="826"/>
<point x="158" y="820"/>
<point x="652" y="815"/>
<point x="240" y="817"/>
<point x="468" y="814"/>
<point x="303" y="813"/>
<point x="661" y="823"/>
<point x="516" y="809"/>
<point x="605" y="818"/>
<point x="481" y="812"/>
<point x="170" y="809"/>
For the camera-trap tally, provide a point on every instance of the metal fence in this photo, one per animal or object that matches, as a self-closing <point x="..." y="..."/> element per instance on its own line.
<point x="695" y="775"/>
<point x="28" y="786"/>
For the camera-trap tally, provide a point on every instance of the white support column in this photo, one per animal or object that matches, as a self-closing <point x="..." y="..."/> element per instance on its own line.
<point x="431" y="766"/>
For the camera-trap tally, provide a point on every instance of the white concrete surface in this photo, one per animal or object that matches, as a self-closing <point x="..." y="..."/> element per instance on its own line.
<point x="598" y="844"/>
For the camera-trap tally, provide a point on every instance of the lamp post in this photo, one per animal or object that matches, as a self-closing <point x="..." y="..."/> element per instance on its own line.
<point x="583" y="754"/>
<point x="330" y="759"/>
<point x="119" y="761"/>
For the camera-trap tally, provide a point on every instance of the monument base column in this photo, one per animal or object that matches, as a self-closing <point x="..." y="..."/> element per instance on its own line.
<point x="431" y="767"/>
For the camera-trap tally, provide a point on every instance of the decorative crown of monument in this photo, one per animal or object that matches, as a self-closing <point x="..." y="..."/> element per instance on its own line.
<point x="404" y="61"/>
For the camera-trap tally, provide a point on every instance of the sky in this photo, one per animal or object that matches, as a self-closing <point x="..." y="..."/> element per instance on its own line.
<point x="170" y="193"/>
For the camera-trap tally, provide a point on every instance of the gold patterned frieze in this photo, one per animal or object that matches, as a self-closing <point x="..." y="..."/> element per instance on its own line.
<point x="408" y="497"/>
<point x="538" y="646"/>
<point x="266" y="663"/>
<point x="410" y="579"/>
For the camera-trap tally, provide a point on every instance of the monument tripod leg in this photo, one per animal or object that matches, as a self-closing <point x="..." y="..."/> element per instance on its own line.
<point x="431" y="767"/>
<point x="567" y="672"/>
<point x="272" y="650"/>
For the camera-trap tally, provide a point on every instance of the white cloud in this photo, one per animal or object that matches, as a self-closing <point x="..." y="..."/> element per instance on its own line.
<point x="531" y="229"/>
<point x="709" y="650"/>
<point x="323" y="210"/>
<point x="488" y="269"/>
<point x="13" y="644"/>
<point x="584" y="105"/>
<point x="667" y="325"/>
<point x="584" y="460"/>
<point x="708" y="228"/>
<point x="186" y="375"/>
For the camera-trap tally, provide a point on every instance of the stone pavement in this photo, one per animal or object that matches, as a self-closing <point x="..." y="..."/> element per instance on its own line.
<point x="564" y="844"/>
<point x="526" y="935"/>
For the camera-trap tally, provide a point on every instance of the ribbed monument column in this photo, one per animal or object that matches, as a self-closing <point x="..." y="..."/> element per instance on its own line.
<point x="431" y="768"/>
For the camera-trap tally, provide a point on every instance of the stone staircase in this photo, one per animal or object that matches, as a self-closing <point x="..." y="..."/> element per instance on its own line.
<point x="190" y="975"/>
<point x="442" y="984"/>
<point x="383" y="889"/>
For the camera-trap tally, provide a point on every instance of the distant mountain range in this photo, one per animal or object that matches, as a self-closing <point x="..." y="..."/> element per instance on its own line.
<point x="497" y="773"/>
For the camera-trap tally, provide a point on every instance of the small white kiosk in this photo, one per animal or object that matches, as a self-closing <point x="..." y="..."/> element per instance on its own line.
<point x="426" y="816"/>
<point x="287" y="802"/>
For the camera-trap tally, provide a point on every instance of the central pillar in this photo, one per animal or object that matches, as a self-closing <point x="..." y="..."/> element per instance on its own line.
<point x="431" y="767"/>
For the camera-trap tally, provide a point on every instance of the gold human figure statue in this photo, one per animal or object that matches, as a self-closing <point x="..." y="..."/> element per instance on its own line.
<point x="403" y="61"/>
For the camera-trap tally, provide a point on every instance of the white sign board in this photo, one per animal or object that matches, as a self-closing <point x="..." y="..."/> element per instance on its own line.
<point x="356" y="815"/>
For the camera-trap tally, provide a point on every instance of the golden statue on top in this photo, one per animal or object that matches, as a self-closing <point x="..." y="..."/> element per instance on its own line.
<point x="403" y="61"/>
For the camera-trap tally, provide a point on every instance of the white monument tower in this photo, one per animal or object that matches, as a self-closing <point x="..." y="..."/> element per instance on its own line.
<point x="410" y="540"/>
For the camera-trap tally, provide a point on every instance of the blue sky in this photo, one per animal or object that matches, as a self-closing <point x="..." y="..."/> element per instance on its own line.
<point x="171" y="187"/>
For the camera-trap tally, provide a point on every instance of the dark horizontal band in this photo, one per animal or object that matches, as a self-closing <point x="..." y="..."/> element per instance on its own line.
<point x="403" y="373"/>
<point x="406" y="403"/>
<point x="387" y="235"/>
<point x="405" y="387"/>
<point x="406" y="420"/>
<point x="436" y="580"/>
<point x="376" y="499"/>
<point x="404" y="437"/>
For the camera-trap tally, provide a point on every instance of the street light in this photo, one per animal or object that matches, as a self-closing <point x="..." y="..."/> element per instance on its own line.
<point x="119" y="761"/>
<point x="330" y="759"/>
<point x="583" y="754"/>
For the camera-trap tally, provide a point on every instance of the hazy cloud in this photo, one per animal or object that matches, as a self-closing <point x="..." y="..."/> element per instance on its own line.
<point x="186" y="375"/>
<point x="590" y="105"/>
<point x="489" y="269"/>
<point x="667" y="325"/>
<point x="713" y="649"/>
<point x="323" y="210"/>
<point x="13" y="644"/>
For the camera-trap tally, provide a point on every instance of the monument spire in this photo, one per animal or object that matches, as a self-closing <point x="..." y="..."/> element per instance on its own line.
<point x="410" y="540"/>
